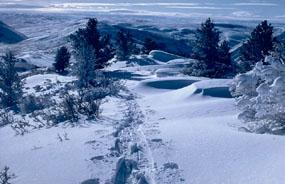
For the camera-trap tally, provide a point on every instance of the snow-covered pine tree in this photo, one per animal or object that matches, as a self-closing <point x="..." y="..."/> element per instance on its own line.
<point x="10" y="83"/>
<point x="279" y="50"/>
<point x="258" y="45"/>
<point x="102" y="47"/>
<point x="149" y="45"/>
<point x="260" y="95"/>
<point x="125" y="45"/>
<point x="61" y="59"/>
<point x="85" y="66"/>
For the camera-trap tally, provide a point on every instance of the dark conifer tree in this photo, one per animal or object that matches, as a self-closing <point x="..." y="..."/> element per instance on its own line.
<point x="224" y="53"/>
<point x="102" y="46"/>
<point x="259" y="44"/>
<point x="125" y="45"/>
<point x="149" y="45"/>
<point x="61" y="59"/>
<point x="213" y="59"/>
<point x="206" y="45"/>
<point x="10" y="83"/>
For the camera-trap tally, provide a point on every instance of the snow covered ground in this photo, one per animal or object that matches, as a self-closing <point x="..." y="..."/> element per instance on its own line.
<point x="186" y="127"/>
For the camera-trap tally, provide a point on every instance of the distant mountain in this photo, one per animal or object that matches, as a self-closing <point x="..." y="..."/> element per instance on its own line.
<point x="9" y="35"/>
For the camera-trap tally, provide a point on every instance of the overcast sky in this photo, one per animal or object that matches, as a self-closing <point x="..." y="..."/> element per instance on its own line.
<point x="243" y="9"/>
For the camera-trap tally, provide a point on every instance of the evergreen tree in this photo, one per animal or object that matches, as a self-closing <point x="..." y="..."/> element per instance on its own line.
<point x="260" y="96"/>
<point x="84" y="67"/>
<point x="101" y="45"/>
<point x="279" y="50"/>
<point x="259" y="44"/>
<point x="125" y="45"/>
<point x="149" y="45"/>
<point x="206" y="45"/>
<point x="213" y="58"/>
<point x="224" y="53"/>
<point x="10" y="83"/>
<point x="61" y="59"/>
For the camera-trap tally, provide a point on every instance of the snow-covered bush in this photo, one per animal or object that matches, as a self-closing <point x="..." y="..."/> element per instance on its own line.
<point x="5" y="175"/>
<point x="6" y="118"/>
<point x="260" y="95"/>
<point x="82" y="103"/>
<point x="31" y="103"/>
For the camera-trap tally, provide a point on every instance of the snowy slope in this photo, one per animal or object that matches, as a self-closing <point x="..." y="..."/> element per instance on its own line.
<point x="186" y="127"/>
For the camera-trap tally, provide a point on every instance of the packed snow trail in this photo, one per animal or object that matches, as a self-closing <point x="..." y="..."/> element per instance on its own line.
<point x="131" y="135"/>
<point x="134" y="146"/>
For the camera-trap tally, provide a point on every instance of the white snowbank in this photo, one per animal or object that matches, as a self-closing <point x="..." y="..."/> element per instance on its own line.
<point x="162" y="56"/>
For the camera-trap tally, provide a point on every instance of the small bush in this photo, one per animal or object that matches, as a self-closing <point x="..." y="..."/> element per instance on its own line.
<point x="149" y="45"/>
<point x="5" y="118"/>
<point x="5" y="177"/>
<point x="31" y="103"/>
<point x="70" y="108"/>
<point x="260" y="96"/>
<point x="89" y="103"/>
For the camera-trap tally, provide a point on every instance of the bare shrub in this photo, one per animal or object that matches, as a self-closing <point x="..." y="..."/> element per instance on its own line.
<point x="5" y="118"/>
<point x="5" y="177"/>
<point x="31" y="103"/>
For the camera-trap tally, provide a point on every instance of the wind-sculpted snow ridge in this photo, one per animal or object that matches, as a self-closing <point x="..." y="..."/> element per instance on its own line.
<point x="184" y="86"/>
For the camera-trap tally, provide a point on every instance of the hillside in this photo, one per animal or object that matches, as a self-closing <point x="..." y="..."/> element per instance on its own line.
<point x="9" y="35"/>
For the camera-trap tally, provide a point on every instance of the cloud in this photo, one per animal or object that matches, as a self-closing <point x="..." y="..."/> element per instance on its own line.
<point x="255" y="4"/>
<point x="200" y="7"/>
<point x="242" y="14"/>
<point x="123" y="4"/>
<point x="280" y="17"/>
